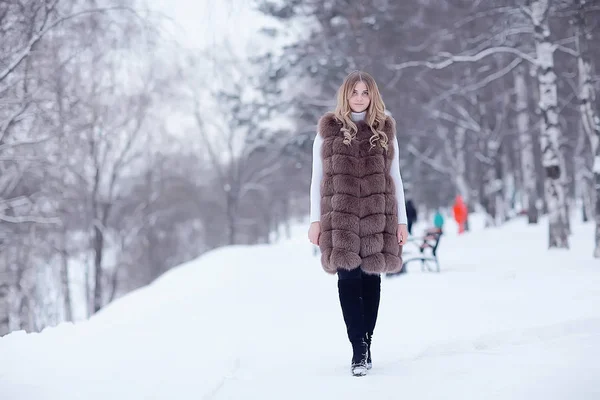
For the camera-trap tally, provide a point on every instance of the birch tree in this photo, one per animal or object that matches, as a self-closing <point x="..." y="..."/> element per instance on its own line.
<point x="550" y="128"/>
<point x="590" y="120"/>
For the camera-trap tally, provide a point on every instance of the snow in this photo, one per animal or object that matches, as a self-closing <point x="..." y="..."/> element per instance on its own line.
<point x="596" y="166"/>
<point x="505" y="319"/>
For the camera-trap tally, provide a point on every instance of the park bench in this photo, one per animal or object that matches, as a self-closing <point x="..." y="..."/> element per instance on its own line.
<point x="422" y="248"/>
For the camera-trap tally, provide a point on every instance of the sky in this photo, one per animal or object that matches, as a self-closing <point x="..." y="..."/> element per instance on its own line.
<point x="207" y="24"/>
<point x="201" y="23"/>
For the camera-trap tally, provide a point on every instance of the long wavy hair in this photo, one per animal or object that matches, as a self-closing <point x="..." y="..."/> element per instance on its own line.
<point x="375" y="116"/>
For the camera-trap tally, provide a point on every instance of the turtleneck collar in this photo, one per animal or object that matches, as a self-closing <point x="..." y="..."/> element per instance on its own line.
<point x="358" y="116"/>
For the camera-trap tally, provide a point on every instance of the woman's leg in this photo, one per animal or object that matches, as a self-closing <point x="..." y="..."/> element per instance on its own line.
<point x="371" y="297"/>
<point x="350" y="289"/>
<point x="371" y="288"/>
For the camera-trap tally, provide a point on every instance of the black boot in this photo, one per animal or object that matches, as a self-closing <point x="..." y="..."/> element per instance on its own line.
<point x="359" y="358"/>
<point x="371" y="297"/>
<point x="369" y="362"/>
<point x="350" y="293"/>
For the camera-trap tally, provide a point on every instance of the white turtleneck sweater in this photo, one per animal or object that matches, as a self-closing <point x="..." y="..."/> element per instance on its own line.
<point x="317" y="175"/>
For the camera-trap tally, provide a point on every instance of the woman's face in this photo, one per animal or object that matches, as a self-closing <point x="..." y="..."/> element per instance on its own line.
<point x="359" y="98"/>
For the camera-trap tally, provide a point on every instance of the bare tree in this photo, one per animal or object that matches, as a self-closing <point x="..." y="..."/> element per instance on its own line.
<point x="245" y="151"/>
<point x="42" y="123"/>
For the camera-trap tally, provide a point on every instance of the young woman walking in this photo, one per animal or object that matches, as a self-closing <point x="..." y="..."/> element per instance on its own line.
<point x="358" y="214"/>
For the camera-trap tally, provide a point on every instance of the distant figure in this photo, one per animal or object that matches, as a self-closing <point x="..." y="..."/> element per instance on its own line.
<point x="432" y="234"/>
<point x="438" y="220"/>
<point x="460" y="213"/>
<point x="411" y="214"/>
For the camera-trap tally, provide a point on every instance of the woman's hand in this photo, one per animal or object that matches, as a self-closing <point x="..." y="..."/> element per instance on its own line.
<point x="314" y="232"/>
<point x="402" y="234"/>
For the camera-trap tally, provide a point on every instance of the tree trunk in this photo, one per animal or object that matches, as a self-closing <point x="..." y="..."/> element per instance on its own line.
<point x="231" y="220"/>
<point x="550" y="129"/>
<point x="509" y="179"/>
<point x="461" y="181"/>
<point x="588" y="193"/>
<point x="567" y="190"/>
<point x="456" y="152"/>
<point x="64" y="275"/>
<point x="597" y="201"/>
<point x="583" y="163"/>
<point x="460" y="177"/>
<point x="529" y="192"/>
<point x="26" y="320"/>
<point x="62" y="134"/>
<point x="98" y="243"/>
<point x="488" y="195"/>
<point x="88" y="286"/>
<point x="589" y="119"/>
<point x="23" y="311"/>
<point x="4" y="306"/>
<point x="287" y="217"/>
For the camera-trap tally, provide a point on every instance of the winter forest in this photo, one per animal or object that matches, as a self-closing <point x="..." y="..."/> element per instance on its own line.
<point x="124" y="154"/>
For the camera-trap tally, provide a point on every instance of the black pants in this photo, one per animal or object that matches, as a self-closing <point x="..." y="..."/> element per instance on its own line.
<point x="359" y="297"/>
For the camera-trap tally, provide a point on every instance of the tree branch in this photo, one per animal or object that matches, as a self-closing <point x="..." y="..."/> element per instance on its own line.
<point x="24" y="143"/>
<point x="44" y="29"/>
<point x="30" y="218"/>
<point x="429" y="161"/>
<point x="457" y="121"/>
<point x="12" y="119"/>
<point x="567" y="50"/>
<point x="451" y="59"/>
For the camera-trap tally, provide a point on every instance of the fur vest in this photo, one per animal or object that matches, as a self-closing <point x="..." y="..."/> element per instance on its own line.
<point x="359" y="211"/>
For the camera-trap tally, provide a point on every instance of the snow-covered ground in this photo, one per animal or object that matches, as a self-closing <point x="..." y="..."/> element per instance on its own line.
<point x="505" y="319"/>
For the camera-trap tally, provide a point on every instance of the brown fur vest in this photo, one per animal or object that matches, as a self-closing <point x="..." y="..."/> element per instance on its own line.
<point x="359" y="212"/>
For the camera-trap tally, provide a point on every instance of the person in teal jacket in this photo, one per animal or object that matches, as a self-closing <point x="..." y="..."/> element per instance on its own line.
<point x="438" y="220"/>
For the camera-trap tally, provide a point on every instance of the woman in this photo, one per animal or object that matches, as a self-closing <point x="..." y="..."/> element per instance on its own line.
<point x="358" y="214"/>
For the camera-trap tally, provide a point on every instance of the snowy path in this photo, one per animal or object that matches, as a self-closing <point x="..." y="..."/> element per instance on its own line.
<point x="502" y="321"/>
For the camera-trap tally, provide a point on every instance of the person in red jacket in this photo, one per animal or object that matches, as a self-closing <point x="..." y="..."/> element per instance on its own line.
<point x="460" y="213"/>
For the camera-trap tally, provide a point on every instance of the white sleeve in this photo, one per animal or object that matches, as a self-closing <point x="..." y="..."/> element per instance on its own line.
<point x="315" y="182"/>
<point x="397" y="178"/>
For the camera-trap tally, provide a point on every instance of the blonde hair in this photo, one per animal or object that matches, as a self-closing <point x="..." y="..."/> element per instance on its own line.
<point x="375" y="116"/>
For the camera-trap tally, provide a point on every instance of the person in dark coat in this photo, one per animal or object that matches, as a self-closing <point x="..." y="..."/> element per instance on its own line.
<point x="411" y="215"/>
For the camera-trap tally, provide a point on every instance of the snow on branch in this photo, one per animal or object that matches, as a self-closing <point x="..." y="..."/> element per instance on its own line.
<point x="24" y="143"/>
<point x="451" y="59"/>
<point x="30" y="218"/>
<point x="567" y="50"/>
<point x="457" y="121"/>
<point x="17" y="219"/>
